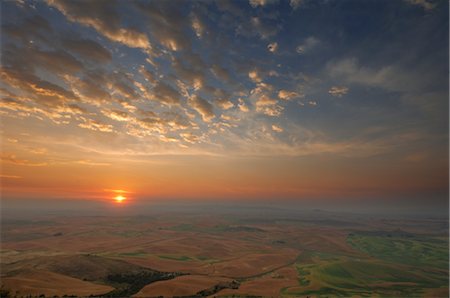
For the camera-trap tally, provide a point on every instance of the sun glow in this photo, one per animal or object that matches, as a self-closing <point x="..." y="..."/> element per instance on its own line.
<point x="119" y="198"/>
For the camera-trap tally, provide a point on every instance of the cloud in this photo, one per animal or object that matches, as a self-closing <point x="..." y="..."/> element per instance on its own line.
<point x="255" y="76"/>
<point x="257" y="140"/>
<point x="162" y="124"/>
<point x="47" y="93"/>
<point x="272" y="47"/>
<point x="57" y="61"/>
<point x="88" y="49"/>
<point x="268" y="106"/>
<point x="220" y="72"/>
<point x="103" y="17"/>
<point x="73" y="109"/>
<point x="117" y="191"/>
<point x="95" y="125"/>
<point x="32" y="28"/>
<point x="146" y="113"/>
<point x="264" y="28"/>
<point x="20" y="107"/>
<point x="203" y="107"/>
<point x="190" y="137"/>
<point x="350" y="70"/>
<point x="260" y="89"/>
<point x="338" y="91"/>
<point x="224" y="103"/>
<point x="37" y="150"/>
<point x="176" y="121"/>
<point x="416" y="157"/>
<point x="149" y="76"/>
<point x="413" y="86"/>
<point x="91" y="163"/>
<point x="28" y="60"/>
<point x="425" y="4"/>
<point x="10" y="177"/>
<point x="388" y="77"/>
<point x="277" y="128"/>
<point x="243" y="106"/>
<point x="121" y="84"/>
<point x="230" y="7"/>
<point x="295" y="4"/>
<point x="91" y="86"/>
<point x="259" y="26"/>
<point x="166" y="94"/>
<point x="167" y="23"/>
<point x="146" y="127"/>
<point x="309" y="44"/>
<point x="288" y="95"/>
<point x="256" y="3"/>
<point x="37" y="98"/>
<point x="117" y="115"/>
<point x="190" y="69"/>
<point x="11" y="158"/>
<point x="197" y="26"/>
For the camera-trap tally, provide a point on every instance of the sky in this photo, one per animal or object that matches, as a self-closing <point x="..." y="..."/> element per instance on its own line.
<point x="233" y="100"/>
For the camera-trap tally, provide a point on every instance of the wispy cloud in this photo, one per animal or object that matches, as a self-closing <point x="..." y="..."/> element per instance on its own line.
<point x="11" y="158"/>
<point x="307" y="46"/>
<point x="338" y="91"/>
<point x="103" y="17"/>
<point x="10" y="177"/>
<point x="426" y="4"/>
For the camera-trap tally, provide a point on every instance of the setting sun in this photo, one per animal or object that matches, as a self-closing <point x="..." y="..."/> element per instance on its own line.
<point x="119" y="199"/>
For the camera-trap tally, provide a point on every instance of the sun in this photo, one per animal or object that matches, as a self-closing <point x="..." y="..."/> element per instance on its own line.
<point x="119" y="198"/>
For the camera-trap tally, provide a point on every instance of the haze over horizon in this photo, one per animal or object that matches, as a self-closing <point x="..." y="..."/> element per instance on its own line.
<point x="259" y="101"/>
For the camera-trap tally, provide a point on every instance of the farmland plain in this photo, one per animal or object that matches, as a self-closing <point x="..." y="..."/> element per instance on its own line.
<point x="225" y="254"/>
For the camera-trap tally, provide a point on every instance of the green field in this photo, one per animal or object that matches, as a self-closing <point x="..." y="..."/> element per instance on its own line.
<point x="393" y="267"/>
<point x="140" y="254"/>
<point x="403" y="248"/>
<point x="176" y="258"/>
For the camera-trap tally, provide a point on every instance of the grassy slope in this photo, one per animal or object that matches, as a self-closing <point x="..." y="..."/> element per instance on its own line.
<point x="414" y="251"/>
<point x="394" y="273"/>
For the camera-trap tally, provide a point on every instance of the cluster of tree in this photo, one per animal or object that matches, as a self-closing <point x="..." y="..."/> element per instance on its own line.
<point x="4" y="293"/>
<point x="213" y="290"/>
<point x="130" y="283"/>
